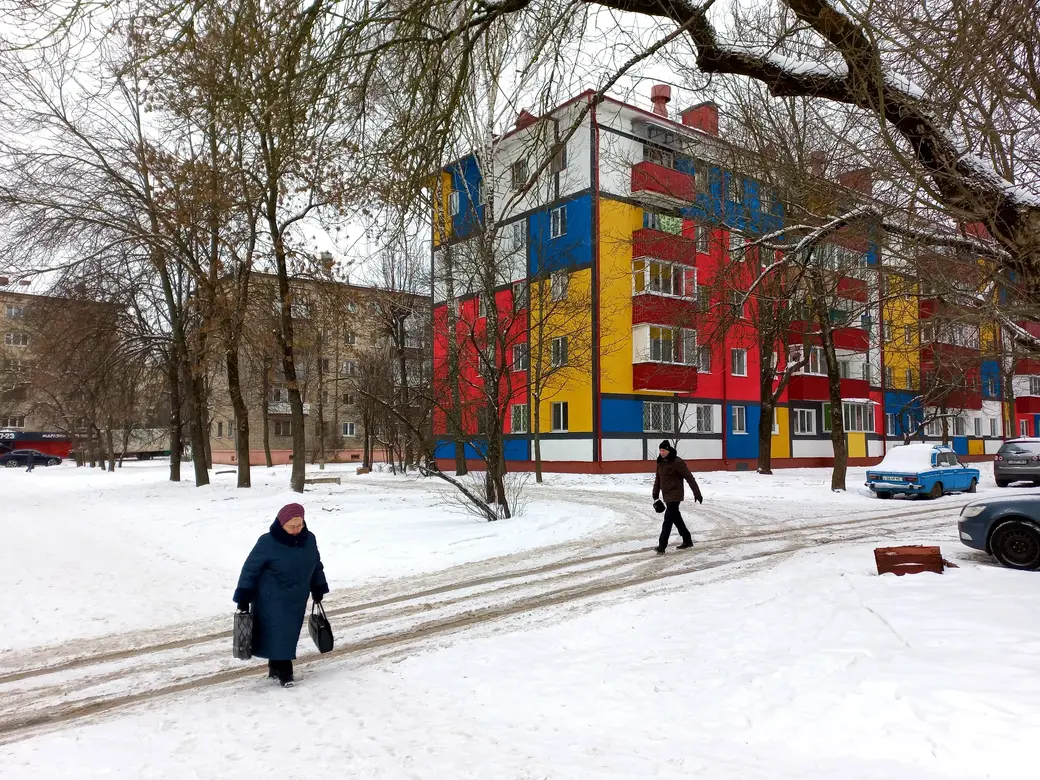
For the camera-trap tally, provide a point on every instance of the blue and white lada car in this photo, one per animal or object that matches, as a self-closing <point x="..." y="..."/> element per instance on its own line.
<point x="919" y="469"/>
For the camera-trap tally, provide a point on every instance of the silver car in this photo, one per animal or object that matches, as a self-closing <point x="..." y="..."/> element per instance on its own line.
<point x="1017" y="461"/>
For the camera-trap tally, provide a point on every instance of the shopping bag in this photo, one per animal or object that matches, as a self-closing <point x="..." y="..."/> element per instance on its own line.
<point x="242" y="636"/>
<point x="320" y="629"/>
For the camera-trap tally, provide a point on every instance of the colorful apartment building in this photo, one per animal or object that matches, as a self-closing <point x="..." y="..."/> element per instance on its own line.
<point x="635" y="218"/>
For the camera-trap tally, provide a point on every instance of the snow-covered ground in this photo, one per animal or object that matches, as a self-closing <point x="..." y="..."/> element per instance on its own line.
<point x="554" y="645"/>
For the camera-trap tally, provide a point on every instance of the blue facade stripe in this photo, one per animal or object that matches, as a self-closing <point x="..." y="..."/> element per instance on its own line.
<point x="622" y="415"/>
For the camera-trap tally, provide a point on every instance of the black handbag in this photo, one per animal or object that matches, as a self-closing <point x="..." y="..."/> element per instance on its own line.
<point x="242" y="636"/>
<point x="320" y="629"/>
<point x="659" y="506"/>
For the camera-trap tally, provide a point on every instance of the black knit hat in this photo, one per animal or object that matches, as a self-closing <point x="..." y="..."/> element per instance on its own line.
<point x="666" y="445"/>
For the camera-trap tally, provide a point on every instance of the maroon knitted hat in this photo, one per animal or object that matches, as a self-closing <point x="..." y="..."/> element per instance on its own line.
<point x="288" y="512"/>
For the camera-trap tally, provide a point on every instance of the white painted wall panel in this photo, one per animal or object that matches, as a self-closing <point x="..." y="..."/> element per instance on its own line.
<point x="875" y="448"/>
<point x="992" y="445"/>
<point x="567" y="449"/>
<point x="622" y="449"/>
<point x="700" y="449"/>
<point x="813" y="448"/>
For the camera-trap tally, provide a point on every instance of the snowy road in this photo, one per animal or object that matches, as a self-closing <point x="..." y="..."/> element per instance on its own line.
<point x="52" y="687"/>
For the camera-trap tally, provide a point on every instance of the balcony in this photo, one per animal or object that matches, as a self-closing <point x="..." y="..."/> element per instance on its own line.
<point x="653" y="309"/>
<point x="1029" y="404"/>
<point x="852" y="339"/>
<point x="282" y="407"/>
<point x="657" y="245"/>
<point x="664" y="377"/>
<point x="852" y="289"/>
<point x="812" y="387"/>
<point x="662" y="186"/>
<point x="1029" y="366"/>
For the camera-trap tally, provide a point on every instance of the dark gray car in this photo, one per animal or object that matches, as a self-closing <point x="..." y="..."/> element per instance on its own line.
<point x="1017" y="461"/>
<point x="1006" y="528"/>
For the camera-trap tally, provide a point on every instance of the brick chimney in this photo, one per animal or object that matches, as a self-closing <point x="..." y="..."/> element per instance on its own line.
<point x="817" y="163"/>
<point x="703" y="117"/>
<point x="525" y="119"/>
<point x="860" y="179"/>
<point x="661" y="96"/>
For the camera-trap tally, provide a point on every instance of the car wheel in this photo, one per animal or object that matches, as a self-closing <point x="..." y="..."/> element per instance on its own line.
<point x="12" y="464"/>
<point x="1002" y="483"/>
<point x="883" y="494"/>
<point x="53" y="462"/>
<point x="1016" y="544"/>
<point x="936" y="491"/>
<point x="974" y="486"/>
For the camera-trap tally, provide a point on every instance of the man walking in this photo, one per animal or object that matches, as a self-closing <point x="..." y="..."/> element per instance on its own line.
<point x="672" y="471"/>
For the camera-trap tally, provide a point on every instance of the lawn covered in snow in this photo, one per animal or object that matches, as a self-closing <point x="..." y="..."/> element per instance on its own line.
<point x="804" y="666"/>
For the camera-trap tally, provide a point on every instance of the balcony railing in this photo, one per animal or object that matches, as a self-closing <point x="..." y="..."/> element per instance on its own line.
<point x="665" y="377"/>
<point x="662" y="186"/>
<point x="282" y="407"/>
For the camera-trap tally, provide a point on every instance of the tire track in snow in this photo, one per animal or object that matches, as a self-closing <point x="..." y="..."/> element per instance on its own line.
<point x="30" y="710"/>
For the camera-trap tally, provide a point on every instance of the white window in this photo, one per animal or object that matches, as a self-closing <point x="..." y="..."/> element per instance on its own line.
<point x="558" y="222"/>
<point x="349" y="338"/>
<point x="656" y="154"/>
<point x="927" y="334"/>
<point x="804" y="422"/>
<point x="220" y="430"/>
<point x="519" y="295"/>
<point x="559" y="352"/>
<point x="890" y="377"/>
<point x="776" y="423"/>
<point x="350" y="368"/>
<point x="12" y="422"/>
<point x="993" y="427"/>
<point x="481" y="306"/>
<point x="736" y="188"/>
<point x="16" y="339"/>
<point x="14" y="312"/>
<point x="519" y="418"/>
<point x="933" y="429"/>
<point x="660" y="278"/>
<point x="283" y="427"/>
<point x="658" y="417"/>
<point x="453" y="203"/>
<point x="908" y="334"/>
<point x="765" y="199"/>
<point x="978" y="426"/>
<point x="704" y="360"/>
<point x="865" y="373"/>
<point x="705" y="418"/>
<point x="1034" y="385"/>
<point x="349" y="430"/>
<point x="703" y="237"/>
<point x="739" y="419"/>
<point x="859" y="418"/>
<point x="348" y="399"/>
<point x="560" y="282"/>
<point x="738" y="362"/>
<point x="521" y="357"/>
<point x="559" y="161"/>
<point x="845" y="369"/>
<point x="279" y="395"/>
<point x="560" y="421"/>
<point x="413" y="339"/>
<point x="518" y="235"/>
<point x="701" y="178"/>
<point x="909" y="379"/>
<point x="886" y="330"/>
<point x="1023" y="427"/>
<point x="890" y="424"/>
<point x="959" y="427"/>
<point x="352" y="307"/>
<point x="662" y="345"/>
<point x="817" y="363"/>
<point x="518" y="175"/>
<point x="736" y="247"/>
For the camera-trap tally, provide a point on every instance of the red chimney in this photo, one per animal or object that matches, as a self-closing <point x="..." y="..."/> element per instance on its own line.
<point x="661" y="96"/>
<point x="4" y="281"/>
<point x="525" y="119"/>
<point x="977" y="230"/>
<point x="860" y="179"/>
<point x="703" y="117"/>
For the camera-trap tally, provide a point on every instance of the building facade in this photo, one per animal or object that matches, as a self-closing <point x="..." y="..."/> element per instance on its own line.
<point x="637" y="227"/>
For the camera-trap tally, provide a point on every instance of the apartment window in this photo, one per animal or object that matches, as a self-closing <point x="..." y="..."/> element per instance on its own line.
<point x="279" y="395"/>
<point x="736" y="247"/>
<point x="559" y="352"/>
<point x="453" y="203"/>
<point x="993" y="427"/>
<point x="16" y="339"/>
<point x="738" y="362"/>
<point x="865" y="373"/>
<point x="765" y="199"/>
<point x="220" y="430"/>
<point x="283" y="427"/>
<point x="890" y="377"/>
<point x="739" y="419"/>
<point x="959" y="426"/>
<point x="349" y="338"/>
<point x="350" y="368"/>
<point x="859" y="418"/>
<point x="663" y="279"/>
<point x="348" y="399"/>
<point x="519" y="417"/>
<point x="817" y="363"/>
<point x="12" y="422"/>
<point x="659" y="156"/>
<point x="886" y="330"/>
<point x="658" y="417"/>
<point x="909" y="379"/>
<point x="518" y="175"/>
<point x="324" y="365"/>
<point x="927" y="334"/>
<point x="704" y="360"/>
<point x="560" y="421"/>
<point x="352" y="307"/>
<point x="776" y="423"/>
<point x="737" y="300"/>
<point x="521" y="357"/>
<point x="1034" y="385"/>
<point x="519" y="296"/>
<point x="845" y="369"/>
<point x="349" y="430"/>
<point x="1023" y="427"/>
<point x="908" y="334"/>
<point x="804" y="421"/>
<point x="518" y="235"/>
<point x="703" y="237"/>
<point x="481" y="306"/>
<point x="559" y="161"/>
<point x="890" y="424"/>
<point x="662" y="345"/>
<point x="705" y="418"/>
<point x="701" y="178"/>
<point x="559" y="283"/>
<point x="14" y="312"/>
<point x="933" y="429"/>
<point x="736" y="188"/>
<point x="978" y="426"/>
<point x="558" y="222"/>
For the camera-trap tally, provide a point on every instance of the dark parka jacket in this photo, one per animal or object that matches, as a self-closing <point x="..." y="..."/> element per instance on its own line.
<point x="279" y="574"/>
<point x="672" y="472"/>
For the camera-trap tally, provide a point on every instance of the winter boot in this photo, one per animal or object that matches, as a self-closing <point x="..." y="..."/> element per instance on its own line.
<point x="287" y="683"/>
<point x="685" y="546"/>
<point x="660" y="550"/>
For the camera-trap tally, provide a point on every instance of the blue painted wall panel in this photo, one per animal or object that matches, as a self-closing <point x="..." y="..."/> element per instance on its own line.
<point x="466" y="180"/>
<point x="516" y="449"/>
<point x="989" y="375"/>
<point x="571" y="250"/>
<point x="743" y="446"/>
<point x="960" y="445"/>
<point x="622" y="415"/>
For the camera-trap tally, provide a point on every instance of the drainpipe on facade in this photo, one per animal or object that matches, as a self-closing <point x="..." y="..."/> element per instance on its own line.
<point x="881" y="354"/>
<point x="597" y="409"/>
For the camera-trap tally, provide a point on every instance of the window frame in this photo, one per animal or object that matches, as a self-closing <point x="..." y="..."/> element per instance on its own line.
<point x="739" y="412"/>
<point x="352" y="434"/>
<point x="733" y="359"/>
<point x="525" y="418"/>
<point x="519" y="174"/>
<point x="559" y="285"/>
<point x="704" y="418"/>
<point x="559" y="412"/>
<point x="521" y="357"/>
<point x="558" y="222"/>
<point x="666" y="416"/>
<point x="559" y="355"/>
<point x="801" y="415"/>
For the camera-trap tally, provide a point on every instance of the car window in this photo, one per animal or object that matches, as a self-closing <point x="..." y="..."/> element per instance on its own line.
<point x="1020" y="448"/>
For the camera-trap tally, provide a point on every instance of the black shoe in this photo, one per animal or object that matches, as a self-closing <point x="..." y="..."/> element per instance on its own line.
<point x="287" y="683"/>
<point x="685" y="546"/>
<point x="660" y="550"/>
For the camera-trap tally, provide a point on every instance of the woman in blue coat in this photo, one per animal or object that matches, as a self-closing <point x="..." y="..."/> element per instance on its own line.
<point x="282" y="569"/>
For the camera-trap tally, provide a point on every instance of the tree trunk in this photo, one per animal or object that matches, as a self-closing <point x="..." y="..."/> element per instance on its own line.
<point x="838" y="438"/>
<point x="537" y="433"/>
<point x="111" y="449"/>
<point x="241" y="411"/>
<point x="286" y="339"/>
<point x="366" y="455"/>
<point x="197" y="427"/>
<point x="266" y="391"/>
<point x="765" y="434"/>
<point x="126" y="442"/>
<point x="176" y="424"/>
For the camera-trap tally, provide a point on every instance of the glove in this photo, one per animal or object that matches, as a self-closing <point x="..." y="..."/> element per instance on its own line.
<point x="659" y="506"/>
<point x="243" y="606"/>
<point x="317" y="597"/>
<point x="699" y="499"/>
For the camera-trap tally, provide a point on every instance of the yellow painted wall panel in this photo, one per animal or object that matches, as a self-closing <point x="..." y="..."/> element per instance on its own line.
<point x="976" y="447"/>
<point x="617" y="223"/>
<point x="857" y="445"/>
<point x="780" y="445"/>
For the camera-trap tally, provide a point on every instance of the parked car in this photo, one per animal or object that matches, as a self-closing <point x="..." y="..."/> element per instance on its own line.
<point x="919" y="469"/>
<point x="16" y="458"/>
<point x="1006" y="528"/>
<point x="1017" y="461"/>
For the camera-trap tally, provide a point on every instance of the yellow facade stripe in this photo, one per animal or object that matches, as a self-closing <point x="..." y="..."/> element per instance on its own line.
<point x="780" y="445"/>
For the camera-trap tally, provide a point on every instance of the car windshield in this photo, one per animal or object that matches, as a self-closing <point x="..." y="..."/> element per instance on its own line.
<point x="1020" y="448"/>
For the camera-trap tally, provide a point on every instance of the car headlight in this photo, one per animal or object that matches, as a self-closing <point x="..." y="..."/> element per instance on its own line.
<point x="972" y="511"/>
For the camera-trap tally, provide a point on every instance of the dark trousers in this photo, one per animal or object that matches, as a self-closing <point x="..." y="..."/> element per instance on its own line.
<point x="672" y="517"/>
<point x="280" y="669"/>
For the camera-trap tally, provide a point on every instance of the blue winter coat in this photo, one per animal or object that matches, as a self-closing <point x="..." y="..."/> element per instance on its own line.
<point x="279" y="574"/>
